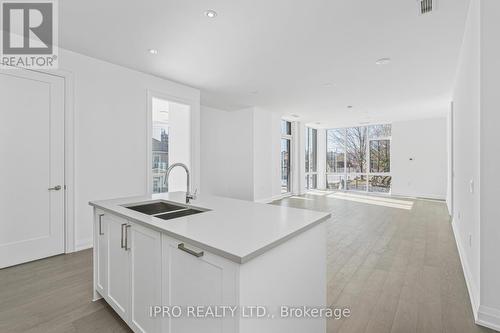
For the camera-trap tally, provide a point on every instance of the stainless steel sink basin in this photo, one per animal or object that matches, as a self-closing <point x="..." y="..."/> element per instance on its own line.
<point x="179" y="213"/>
<point x="165" y="210"/>
<point x="156" y="208"/>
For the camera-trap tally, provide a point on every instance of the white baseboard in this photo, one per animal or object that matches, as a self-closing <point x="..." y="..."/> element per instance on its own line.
<point x="483" y="315"/>
<point x="488" y="317"/>
<point x="420" y="195"/>
<point x="83" y="244"/>
<point x="473" y="291"/>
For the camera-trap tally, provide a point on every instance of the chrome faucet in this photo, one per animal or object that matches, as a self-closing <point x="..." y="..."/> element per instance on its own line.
<point x="189" y="195"/>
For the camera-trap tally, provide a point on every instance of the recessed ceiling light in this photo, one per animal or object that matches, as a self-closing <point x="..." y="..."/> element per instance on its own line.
<point x="349" y="106"/>
<point x="295" y="116"/>
<point x="210" y="13"/>
<point x="254" y="92"/>
<point x="327" y="85"/>
<point x="317" y="123"/>
<point x="153" y="51"/>
<point x="383" y="61"/>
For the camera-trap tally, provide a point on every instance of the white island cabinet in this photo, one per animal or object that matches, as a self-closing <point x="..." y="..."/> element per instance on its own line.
<point x="228" y="269"/>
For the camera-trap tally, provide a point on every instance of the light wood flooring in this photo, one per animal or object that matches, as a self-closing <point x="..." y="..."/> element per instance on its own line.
<point x="393" y="263"/>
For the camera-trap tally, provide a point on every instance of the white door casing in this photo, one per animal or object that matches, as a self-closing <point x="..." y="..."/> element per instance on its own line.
<point x="32" y="162"/>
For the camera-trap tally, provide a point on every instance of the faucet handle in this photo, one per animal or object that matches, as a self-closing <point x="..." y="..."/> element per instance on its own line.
<point x="191" y="196"/>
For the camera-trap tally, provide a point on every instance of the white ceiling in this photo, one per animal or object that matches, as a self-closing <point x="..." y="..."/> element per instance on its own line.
<point x="279" y="54"/>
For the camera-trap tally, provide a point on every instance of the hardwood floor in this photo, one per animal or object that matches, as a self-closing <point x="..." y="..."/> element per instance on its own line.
<point x="393" y="262"/>
<point x="54" y="295"/>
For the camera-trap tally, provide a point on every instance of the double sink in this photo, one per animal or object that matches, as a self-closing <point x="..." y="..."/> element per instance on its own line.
<point x="164" y="210"/>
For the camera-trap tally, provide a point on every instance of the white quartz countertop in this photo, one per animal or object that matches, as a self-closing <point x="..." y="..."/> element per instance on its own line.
<point x="235" y="229"/>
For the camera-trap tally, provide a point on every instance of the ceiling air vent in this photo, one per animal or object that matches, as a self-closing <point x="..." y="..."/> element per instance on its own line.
<point x="426" y="6"/>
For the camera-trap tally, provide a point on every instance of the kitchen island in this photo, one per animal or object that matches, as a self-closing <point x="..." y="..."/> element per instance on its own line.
<point x="214" y="265"/>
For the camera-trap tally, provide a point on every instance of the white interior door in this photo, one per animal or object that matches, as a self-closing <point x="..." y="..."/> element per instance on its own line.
<point x="31" y="166"/>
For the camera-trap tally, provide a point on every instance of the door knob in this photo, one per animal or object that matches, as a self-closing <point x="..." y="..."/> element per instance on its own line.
<point x="55" y="188"/>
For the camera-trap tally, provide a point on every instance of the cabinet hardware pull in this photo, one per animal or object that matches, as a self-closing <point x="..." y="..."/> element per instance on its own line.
<point x="100" y="224"/>
<point x="122" y="245"/>
<point x="191" y="252"/>
<point x="126" y="237"/>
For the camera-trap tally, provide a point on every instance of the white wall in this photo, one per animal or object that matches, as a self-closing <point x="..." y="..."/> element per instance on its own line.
<point x="110" y="107"/>
<point x="227" y="153"/>
<point x="489" y="309"/>
<point x="238" y="164"/>
<point x="475" y="160"/>
<point x="240" y="153"/>
<point x="213" y="150"/>
<point x="266" y="150"/>
<point x="466" y="153"/>
<point x="419" y="158"/>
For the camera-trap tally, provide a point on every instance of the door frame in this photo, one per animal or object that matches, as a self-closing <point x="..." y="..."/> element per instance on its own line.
<point x="69" y="158"/>
<point x="451" y="162"/>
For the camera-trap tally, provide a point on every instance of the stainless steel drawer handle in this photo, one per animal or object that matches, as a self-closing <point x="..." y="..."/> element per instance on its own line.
<point x="100" y="224"/>
<point x="55" y="188"/>
<point x="126" y="237"/>
<point x="191" y="252"/>
<point x="122" y="244"/>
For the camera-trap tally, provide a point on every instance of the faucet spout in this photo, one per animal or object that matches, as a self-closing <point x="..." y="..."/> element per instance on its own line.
<point x="189" y="195"/>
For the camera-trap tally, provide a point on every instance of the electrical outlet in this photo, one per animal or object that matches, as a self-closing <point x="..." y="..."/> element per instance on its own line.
<point x="470" y="240"/>
<point x="471" y="186"/>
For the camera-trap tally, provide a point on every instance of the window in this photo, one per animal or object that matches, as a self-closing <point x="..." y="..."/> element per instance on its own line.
<point x="160" y="144"/>
<point x="379" y="131"/>
<point x="356" y="149"/>
<point x="335" y="151"/>
<point x="336" y="181"/>
<point x="311" y="158"/>
<point x="359" y="158"/>
<point x="285" y="156"/>
<point x="356" y="182"/>
<point x="379" y="179"/>
<point x="170" y="135"/>
<point x="286" y="127"/>
<point x="380" y="156"/>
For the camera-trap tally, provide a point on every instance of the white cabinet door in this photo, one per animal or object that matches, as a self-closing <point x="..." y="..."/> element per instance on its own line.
<point x="191" y="281"/>
<point x="145" y="256"/>
<point x="118" y="295"/>
<point x="101" y="251"/>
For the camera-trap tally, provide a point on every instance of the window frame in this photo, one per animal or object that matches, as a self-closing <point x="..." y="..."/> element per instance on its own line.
<point x="311" y="155"/>
<point x="367" y="174"/>
<point x="289" y="138"/>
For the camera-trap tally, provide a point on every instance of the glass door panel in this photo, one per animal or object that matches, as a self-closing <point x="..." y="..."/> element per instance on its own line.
<point x="285" y="166"/>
